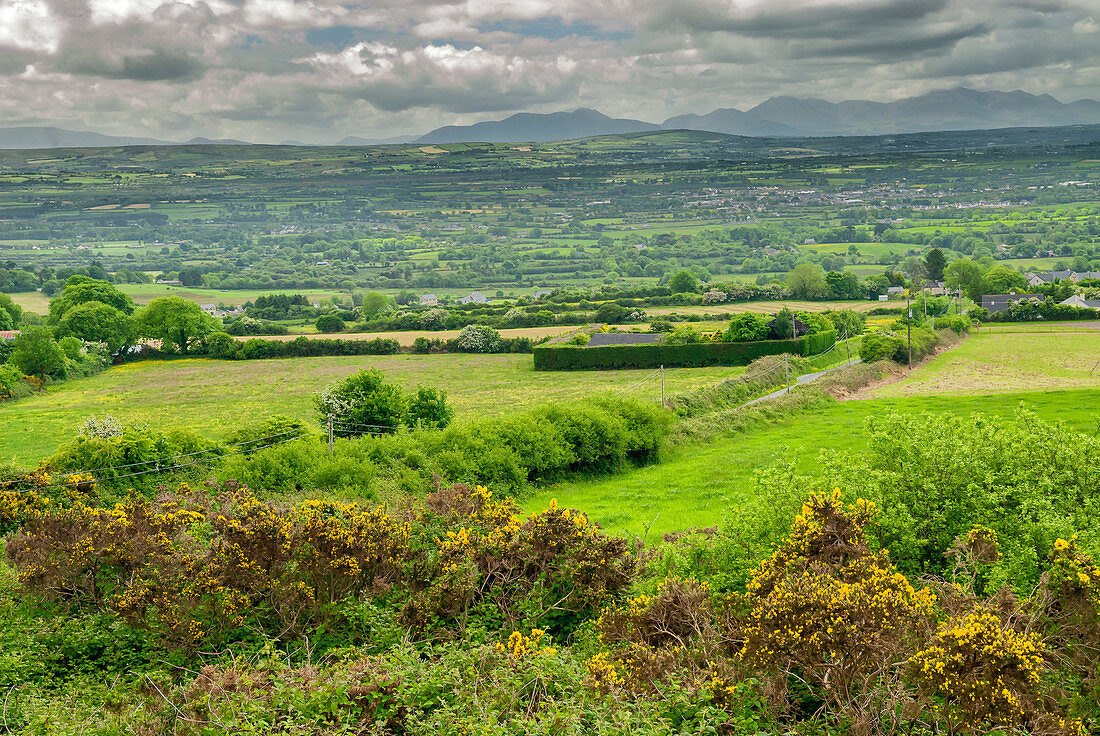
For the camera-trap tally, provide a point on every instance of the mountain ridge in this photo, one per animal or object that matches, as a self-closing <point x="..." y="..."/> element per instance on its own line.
<point x="956" y="109"/>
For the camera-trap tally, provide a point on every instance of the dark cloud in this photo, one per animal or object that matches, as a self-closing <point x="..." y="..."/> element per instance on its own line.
<point x="150" y="66"/>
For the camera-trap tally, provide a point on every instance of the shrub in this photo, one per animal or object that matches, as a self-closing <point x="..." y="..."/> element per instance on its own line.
<point x="428" y="407"/>
<point x="13" y="384"/>
<point x="986" y="672"/>
<point x="275" y="429"/>
<point x="683" y="335"/>
<point x="362" y="403"/>
<point x="478" y="339"/>
<point x="828" y="607"/>
<point x="192" y="567"/>
<point x="747" y="327"/>
<point x="611" y="313"/>
<point x="36" y="353"/>
<point x="329" y="323"/>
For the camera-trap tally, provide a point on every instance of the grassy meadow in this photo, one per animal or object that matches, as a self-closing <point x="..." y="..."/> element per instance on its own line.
<point x="1053" y="370"/>
<point x="695" y="485"/>
<point x="212" y="396"/>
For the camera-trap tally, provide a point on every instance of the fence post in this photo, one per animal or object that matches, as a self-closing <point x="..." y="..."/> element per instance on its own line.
<point x="330" y="435"/>
<point x="663" y="387"/>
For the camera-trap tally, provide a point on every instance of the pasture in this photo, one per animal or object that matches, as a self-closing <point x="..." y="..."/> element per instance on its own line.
<point x="695" y="485"/>
<point x="1053" y="370"/>
<point x="212" y="396"/>
<point x="1008" y="359"/>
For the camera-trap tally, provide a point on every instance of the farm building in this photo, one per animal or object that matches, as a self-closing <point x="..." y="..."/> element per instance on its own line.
<point x="9" y="334"/>
<point x="428" y="300"/>
<point x="1000" y="302"/>
<point x="475" y="298"/>
<point x="622" y="338"/>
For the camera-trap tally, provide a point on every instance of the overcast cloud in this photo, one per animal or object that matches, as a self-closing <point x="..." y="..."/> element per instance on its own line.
<point x="319" y="70"/>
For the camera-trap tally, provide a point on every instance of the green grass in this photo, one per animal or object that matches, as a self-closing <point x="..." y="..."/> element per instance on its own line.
<point x="145" y="293"/>
<point x="1008" y="359"/>
<point x="695" y="485"/>
<point x="211" y="396"/>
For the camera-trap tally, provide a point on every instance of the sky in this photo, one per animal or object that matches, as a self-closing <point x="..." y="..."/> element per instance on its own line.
<point x="319" y="70"/>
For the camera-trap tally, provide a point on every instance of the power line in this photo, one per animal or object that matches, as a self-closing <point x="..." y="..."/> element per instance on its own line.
<point x="162" y="469"/>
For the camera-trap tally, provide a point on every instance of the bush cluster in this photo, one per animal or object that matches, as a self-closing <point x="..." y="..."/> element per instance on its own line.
<point x="598" y="434"/>
<point x="198" y="567"/>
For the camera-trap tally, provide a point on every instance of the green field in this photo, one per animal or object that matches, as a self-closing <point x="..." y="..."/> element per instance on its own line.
<point x="1008" y="359"/>
<point x="1053" y="370"/>
<point x="212" y="396"/>
<point x="696" y="485"/>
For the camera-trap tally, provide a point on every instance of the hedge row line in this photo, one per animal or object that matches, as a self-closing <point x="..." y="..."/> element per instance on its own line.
<point x="818" y="342"/>
<point x="224" y="347"/>
<point x="693" y="355"/>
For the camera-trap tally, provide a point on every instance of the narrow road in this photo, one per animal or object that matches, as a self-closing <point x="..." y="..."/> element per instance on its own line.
<point x="799" y="381"/>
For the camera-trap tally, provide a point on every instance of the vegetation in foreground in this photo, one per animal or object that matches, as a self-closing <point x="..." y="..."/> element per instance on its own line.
<point x="211" y="611"/>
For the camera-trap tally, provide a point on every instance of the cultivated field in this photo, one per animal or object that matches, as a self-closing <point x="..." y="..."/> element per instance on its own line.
<point x="407" y="338"/>
<point x="1009" y="359"/>
<point x="769" y="307"/>
<point x="212" y="396"/>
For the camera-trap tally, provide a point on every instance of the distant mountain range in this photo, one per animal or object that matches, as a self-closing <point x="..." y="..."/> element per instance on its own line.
<point x="527" y="127"/>
<point x="46" y="137"/>
<point x="954" y="109"/>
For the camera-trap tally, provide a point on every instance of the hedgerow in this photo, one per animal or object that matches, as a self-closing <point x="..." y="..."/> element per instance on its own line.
<point x="598" y="434"/>
<point x="570" y="357"/>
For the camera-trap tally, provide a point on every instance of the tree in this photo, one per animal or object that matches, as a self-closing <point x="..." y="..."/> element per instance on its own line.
<point x="610" y="313"/>
<point x="376" y="303"/>
<point x="12" y="313"/>
<point x="934" y="263"/>
<point x="683" y="282"/>
<point x="843" y="285"/>
<point x="363" y="403"/>
<point x="98" y="322"/>
<point x="178" y="323"/>
<point x="36" y="353"/>
<point x="81" y="289"/>
<point x="782" y="325"/>
<point x="1002" y="280"/>
<point x="966" y="275"/>
<point x="329" y="323"/>
<point x="807" y="281"/>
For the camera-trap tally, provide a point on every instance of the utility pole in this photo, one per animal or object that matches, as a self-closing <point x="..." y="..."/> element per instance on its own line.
<point x="330" y="435"/>
<point x="848" y="346"/>
<point x="909" y="328"/>
<point x="787" y="370"/>
<point x="662" y="386"/>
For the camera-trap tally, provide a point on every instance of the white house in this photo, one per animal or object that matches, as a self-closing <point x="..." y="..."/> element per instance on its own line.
<point x="474" y="298"/>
